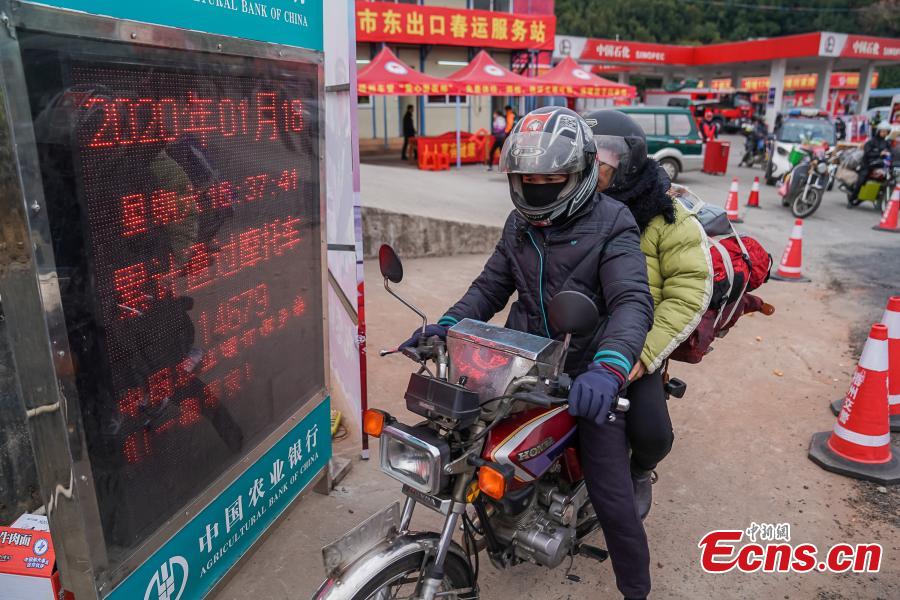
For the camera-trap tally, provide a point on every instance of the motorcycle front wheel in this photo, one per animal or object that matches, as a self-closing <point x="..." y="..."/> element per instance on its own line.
<point x="400" y="580"/>
<point x="806" y="202"/>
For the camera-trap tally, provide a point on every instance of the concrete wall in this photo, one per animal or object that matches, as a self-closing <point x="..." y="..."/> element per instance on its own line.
<point x="413" y="236"/>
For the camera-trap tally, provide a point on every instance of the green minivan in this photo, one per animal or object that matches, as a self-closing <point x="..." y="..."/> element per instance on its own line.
<point x="672" y="137"/>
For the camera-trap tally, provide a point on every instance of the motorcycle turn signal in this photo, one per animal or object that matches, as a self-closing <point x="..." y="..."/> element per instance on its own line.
<point x="374" y="421"/>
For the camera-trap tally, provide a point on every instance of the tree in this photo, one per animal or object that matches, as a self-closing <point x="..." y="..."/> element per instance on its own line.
<point x="711" y="21"/>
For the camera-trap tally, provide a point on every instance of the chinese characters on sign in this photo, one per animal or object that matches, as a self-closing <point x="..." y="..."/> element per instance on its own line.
<point x="388" y="22"/>
<point x="203" y="550"/>
<point x="185" y="210"/>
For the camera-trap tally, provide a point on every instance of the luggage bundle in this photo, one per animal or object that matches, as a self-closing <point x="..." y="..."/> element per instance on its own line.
<point x="740" y="265"/>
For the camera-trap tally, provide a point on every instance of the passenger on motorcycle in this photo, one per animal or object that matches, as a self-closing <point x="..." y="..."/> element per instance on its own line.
<point x="874" y="151"/>
<point x="680" y="275"/>
<point x="563" y="235"/>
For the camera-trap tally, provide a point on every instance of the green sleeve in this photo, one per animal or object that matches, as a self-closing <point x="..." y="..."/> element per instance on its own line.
<point x="685" y="278"/>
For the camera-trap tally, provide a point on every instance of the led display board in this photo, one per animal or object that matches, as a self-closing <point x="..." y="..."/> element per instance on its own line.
<point x="183" y="196"/>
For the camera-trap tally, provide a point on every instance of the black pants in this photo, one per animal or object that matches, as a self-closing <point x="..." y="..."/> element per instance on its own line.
<point x="605" y="463"/>
<point x="497" y="145"/>
<point x="406" y="139"/>
<point x="649" y="426"/>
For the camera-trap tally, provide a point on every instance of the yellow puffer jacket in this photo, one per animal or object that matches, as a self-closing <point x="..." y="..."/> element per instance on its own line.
<point x="680" y="269"/>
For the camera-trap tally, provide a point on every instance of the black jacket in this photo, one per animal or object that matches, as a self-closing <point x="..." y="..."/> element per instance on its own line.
<point x="597" y="253"/>
<point x="873" y="148"/>
<point x="409" y="128"/>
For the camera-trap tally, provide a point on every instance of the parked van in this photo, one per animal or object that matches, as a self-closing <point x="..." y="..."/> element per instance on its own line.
<point x="672" y="137"/>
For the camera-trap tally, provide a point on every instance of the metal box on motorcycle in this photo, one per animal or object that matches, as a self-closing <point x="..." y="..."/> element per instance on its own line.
<point x="491" y="356"/>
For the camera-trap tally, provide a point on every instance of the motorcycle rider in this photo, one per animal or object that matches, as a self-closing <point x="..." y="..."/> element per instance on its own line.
<point x="563" y="235"/>
<point x="680" y="274"/>
<point x="756" y="132"/>
<point x="874" y="151"/>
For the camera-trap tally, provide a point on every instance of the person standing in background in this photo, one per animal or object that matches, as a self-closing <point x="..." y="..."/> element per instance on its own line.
<point x="510" y="118"/>
<point x="498" y="129"/>
<point x="409" y="130"/>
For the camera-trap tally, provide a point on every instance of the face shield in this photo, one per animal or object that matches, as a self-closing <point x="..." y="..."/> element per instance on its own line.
<point x="542" y="153"/>
<point x="625" y="154"/>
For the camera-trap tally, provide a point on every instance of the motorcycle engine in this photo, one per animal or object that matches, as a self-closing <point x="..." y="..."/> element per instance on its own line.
<point x="544" y="532"/>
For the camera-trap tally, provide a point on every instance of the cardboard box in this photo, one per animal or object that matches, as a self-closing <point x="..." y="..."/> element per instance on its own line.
<point x="27" y="565"/>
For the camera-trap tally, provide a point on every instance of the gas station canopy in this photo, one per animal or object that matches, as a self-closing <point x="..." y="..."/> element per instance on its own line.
<point x="806" y="50"/>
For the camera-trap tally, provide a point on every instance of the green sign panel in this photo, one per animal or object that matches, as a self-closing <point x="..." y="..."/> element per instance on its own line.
<point x="290" y="22"/>
<point x="194" y="559"/>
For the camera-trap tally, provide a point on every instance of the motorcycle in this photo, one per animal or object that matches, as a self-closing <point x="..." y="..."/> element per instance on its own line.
<point x="803" y="186"/>
<point x="879" y="185"/>
<point x="754" y="147"/>
<point x="495" y="455"/>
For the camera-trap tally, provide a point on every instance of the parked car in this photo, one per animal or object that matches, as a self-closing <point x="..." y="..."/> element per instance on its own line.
<point x="672" y="137"/>
<point x="800" y="126"/>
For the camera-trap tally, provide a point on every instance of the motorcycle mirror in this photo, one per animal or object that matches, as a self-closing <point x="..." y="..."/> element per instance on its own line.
<point x="572" y="312"/>
<point x="389" y="262"/>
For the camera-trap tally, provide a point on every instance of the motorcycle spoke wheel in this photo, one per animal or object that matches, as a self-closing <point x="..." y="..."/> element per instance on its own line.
<point x="806" y="203"/>
<point x="403" y="587"/>
<point x="402" y="580"/>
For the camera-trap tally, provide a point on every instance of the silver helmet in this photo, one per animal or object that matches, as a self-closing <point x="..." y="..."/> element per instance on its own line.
<point x="550" y="141"/>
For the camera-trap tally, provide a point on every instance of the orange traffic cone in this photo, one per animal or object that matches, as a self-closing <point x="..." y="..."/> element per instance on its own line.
<point x="753" y="200"/>
<point x="891" y="319"/>
<point x="790" y="269"/>
<point x="860" y="444"/>
<point x="731" y="204"/>
<point x="891" y="214"/>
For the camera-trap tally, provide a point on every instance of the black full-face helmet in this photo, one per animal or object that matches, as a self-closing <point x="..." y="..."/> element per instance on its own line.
<point x="621" y="143"/>
<point x="551" y="140"/>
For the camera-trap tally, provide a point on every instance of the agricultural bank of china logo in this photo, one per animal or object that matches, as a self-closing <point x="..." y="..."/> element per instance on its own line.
<point x="169" y="581"/>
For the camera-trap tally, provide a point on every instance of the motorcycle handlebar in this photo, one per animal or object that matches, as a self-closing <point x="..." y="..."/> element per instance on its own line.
<point x="547" y="401"/>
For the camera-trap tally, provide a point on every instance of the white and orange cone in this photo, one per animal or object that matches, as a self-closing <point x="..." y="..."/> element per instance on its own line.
<point x="891" y="319"/>
<point x="859" y="445"/>
<point x="891" y="216"/>
<point x="753" y="200"/>
<point x="731" y="204"/>
<point x="790" y="268"/>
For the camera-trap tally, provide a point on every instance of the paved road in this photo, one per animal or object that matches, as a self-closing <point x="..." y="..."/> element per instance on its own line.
<point x="741" y="432"/>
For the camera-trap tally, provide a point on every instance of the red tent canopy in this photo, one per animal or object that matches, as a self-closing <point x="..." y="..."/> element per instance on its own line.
<point x="386" y="75"/>
<point x="569" y="79"/>
<point x="484" y="77"/>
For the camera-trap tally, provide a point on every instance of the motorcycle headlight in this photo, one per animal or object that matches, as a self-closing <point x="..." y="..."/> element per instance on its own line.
<point x="821" y="168"/>
<point x="414" y="456"/>
<point x="782" y="151"/>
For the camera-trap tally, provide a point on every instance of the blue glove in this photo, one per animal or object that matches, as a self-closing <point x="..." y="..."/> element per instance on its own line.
<point x="593" y="393"/>
<point x="430" y="330"/>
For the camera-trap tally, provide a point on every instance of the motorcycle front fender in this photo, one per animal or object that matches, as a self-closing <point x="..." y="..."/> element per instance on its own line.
<point x="346" y="584"/>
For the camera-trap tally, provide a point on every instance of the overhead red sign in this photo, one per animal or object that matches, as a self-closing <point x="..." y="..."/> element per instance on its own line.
<point x="636" y="52"/>
<point x="412" y="24"/>
<point x="861" y="46"/>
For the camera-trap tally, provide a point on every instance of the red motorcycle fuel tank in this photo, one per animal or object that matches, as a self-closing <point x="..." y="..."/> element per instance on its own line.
<point x="531" y="441"/>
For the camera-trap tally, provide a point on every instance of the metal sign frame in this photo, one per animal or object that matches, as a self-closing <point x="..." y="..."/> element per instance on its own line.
<point x="45" y="374"/>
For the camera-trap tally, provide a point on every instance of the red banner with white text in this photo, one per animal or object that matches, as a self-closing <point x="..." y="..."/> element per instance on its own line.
<point x="435" y="25"/>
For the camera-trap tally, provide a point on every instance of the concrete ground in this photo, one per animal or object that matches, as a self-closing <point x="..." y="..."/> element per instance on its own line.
<point x="742" y="430"/>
